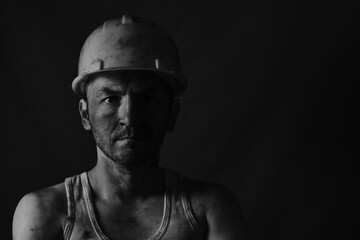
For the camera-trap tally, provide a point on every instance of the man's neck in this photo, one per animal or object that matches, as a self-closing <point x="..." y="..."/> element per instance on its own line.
<point x="121" y="185"/>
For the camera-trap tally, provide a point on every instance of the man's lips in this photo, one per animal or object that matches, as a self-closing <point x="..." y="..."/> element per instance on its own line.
<point x="137" y="138"/>
<point x="130" y="134"/>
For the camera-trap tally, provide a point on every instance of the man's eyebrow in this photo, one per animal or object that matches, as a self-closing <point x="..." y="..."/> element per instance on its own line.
<point x="109" y="90"/>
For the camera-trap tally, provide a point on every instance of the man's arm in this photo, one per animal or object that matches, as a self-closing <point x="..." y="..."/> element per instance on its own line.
<point x="37" y="216"/>
<point x="224" y="216"/>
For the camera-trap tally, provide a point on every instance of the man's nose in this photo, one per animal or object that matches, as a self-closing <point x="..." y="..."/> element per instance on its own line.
<point x="128" y="110"/>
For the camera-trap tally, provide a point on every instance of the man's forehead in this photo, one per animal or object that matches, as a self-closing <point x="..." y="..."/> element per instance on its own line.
<point x="123" y="81"/>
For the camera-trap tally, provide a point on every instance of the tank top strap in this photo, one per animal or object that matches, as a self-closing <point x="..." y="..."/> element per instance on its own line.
<point x="166" y="210"/>
<point x="89" y="207"/>
<point x="70" y="218"/>
<point x="177" y="183"/>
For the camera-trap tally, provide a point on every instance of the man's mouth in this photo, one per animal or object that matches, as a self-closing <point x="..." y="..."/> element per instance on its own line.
<point x="136" y="138"/>
<point x="130" y="134"/>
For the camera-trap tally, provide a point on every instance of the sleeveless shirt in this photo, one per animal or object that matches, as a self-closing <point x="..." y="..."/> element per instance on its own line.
<point x="178" y="221"/>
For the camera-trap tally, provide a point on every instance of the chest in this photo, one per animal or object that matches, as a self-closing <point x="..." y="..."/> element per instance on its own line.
<point x="156" y="219"/>
<point x="167" y="216"/>
<point x="139" y="220"/>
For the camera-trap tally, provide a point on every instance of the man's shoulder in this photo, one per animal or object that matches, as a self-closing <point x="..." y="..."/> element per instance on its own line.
<point x="53" y="197"/>
<point x="219" y="207"/>
<point x="209" y="193"/>
<point x="51" y="193"/>
<point x="41" y="213"/>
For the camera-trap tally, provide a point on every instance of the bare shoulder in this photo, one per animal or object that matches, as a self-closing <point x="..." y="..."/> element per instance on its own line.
<point x="219" y="207"/>
<point x="41" y="214"/>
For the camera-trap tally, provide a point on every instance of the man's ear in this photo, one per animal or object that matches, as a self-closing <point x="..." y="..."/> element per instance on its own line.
<point x="84" y="113"/>
<point x="174" y="112"/>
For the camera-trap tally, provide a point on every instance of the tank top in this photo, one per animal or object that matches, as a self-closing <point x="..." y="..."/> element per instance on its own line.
<point x="178" y="220"/>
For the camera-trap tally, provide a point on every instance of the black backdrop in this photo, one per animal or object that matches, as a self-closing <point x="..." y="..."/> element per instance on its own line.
<point x="269" y="112"/>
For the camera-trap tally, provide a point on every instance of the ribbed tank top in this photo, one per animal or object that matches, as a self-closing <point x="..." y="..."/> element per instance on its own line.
<point x="178" y="221"/>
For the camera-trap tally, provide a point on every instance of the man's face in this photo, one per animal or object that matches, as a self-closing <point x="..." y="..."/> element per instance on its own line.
<point x="129" y="113"/>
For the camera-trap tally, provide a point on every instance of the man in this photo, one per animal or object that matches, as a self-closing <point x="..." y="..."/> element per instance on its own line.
<point x="129" y="80"/>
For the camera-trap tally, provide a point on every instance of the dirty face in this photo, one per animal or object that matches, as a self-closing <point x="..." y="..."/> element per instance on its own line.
<point x="129" y="113"/>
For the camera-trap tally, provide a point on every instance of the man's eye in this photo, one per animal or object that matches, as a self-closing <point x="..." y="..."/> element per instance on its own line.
<point x="112" y="100"/>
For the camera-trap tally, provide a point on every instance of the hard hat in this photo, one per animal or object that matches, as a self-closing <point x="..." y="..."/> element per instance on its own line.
<point x="130" y="43"/>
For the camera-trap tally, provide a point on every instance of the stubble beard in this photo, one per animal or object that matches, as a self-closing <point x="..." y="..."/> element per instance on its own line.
<point x="126" y="159"/>
<point x="122" y="159"/>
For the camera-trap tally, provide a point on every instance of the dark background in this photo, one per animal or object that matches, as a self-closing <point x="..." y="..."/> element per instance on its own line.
<point x="269" y="112"/>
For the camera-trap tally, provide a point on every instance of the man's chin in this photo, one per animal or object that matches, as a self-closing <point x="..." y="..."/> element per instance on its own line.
<point x="129" y="153"/>
<point x="125" y="155"/>
<point x="128" y="158"/>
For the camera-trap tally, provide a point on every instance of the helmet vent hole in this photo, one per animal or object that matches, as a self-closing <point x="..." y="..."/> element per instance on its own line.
<point x="157" y="63"/>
